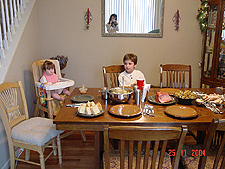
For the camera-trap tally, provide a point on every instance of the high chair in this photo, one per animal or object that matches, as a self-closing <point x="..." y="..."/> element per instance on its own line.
<point x="37" y="73"/>
<point x="64" y="83"/>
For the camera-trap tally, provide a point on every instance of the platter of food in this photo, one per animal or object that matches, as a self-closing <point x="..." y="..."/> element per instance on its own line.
<point x="82" y="98"/>
<point x="181" y="112"/>
<point x="90" y="109"/>
<point x="214" y="98"/>
<point x="185" y="97"/>
<point x="124" y="110"/>
<point x="162" y="98"/>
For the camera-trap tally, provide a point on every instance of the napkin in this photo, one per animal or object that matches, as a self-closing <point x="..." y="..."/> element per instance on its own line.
<point x="146" y="88"/>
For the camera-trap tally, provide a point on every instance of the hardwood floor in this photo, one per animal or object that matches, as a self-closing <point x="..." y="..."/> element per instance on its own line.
<point x="75" y="153"/>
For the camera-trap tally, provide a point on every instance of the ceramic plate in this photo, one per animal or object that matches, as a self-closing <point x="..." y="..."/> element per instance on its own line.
<point x="82" y="98"/>
<point x="151" y="99"/>
<point x="171" y="91"/>
<point x="181" y="112"/>
<point x="92" y="115"/>
<point x="124" y="110"/>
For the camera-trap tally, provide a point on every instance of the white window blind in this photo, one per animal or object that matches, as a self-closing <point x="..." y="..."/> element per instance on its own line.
<point x="134" y="16"/>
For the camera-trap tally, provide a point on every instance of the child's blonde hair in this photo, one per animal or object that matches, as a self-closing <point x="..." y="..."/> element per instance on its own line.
<point x="48" y="65"/>
<point x="130" y="56"/>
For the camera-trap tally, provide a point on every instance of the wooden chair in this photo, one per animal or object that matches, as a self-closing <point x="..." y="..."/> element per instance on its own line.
<point x="205" y="156"/>
<point x="174" y="76"/>
<point x="111" y="74"/>
<point x="52" y="104"/>
<point x="153" y="140"/>
<point x="31" y="134"/>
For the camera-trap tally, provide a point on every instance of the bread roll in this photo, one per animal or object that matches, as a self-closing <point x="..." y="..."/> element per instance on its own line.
<point x="88" y="110"/>
<point x="81" y="109"/>
<point x="95" y="109"/>
<point x="99" y="106"/>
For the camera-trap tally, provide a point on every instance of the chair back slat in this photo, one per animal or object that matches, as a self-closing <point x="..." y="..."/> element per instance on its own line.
<point x="111" y="74"/>
<point x="147" y="153"/>
<point x="162" y="154"/>
<point x="138" y="157"/>
<point x="175" y="76"/>
<point x="130" y="154"/>
<point x="122" y="154"/>
<point x="144" y="137"/>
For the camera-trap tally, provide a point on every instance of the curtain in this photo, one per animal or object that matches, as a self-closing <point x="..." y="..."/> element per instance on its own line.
<point x="134" y="16"/>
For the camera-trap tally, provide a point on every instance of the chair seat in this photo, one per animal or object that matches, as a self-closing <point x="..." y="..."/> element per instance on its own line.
<point x="191" y="160"/>
<point x="35" y="130"/>
<point x="115" y="159"/>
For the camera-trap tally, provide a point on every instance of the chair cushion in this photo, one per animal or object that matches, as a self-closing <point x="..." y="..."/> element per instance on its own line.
<point x="37" y="131"/>
<point x="191" y="160"/>
<point x="115" y="159"/>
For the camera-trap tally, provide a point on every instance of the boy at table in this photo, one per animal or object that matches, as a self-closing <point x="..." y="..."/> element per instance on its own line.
<point x="130" y="75"/>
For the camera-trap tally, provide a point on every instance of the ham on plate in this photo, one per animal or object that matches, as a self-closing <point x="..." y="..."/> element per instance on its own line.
<point x="162" y="97"/>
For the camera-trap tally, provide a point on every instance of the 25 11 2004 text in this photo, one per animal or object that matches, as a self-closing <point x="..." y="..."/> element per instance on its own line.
<point x="172" y="152"/>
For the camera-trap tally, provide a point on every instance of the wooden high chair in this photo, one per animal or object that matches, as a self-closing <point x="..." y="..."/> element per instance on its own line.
<point x="37" y="73"/>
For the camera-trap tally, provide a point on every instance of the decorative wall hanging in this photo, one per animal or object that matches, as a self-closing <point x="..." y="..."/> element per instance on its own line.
<point x="176" y="20"/>
<point x="203" y="15"/>
<point x="88" y="18"/>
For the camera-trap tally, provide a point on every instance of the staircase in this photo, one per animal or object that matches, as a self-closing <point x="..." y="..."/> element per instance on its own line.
<point x="14" y="15"/>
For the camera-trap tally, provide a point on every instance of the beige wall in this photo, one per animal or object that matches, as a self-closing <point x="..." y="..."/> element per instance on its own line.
<point x="63" y="32"/>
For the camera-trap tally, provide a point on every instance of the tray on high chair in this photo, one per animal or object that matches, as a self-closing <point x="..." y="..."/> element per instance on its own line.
<point x="59" y="85"/>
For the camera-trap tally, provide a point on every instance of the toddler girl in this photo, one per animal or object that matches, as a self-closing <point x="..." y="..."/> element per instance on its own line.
<point x="50" y="77"/>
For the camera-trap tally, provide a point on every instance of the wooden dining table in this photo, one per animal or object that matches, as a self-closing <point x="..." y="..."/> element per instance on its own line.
<point x="68" y="119"/>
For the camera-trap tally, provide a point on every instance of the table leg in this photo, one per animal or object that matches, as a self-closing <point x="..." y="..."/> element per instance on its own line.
<point x="98" y="149"/>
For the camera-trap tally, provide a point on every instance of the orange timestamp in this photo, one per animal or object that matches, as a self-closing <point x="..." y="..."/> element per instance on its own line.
<point x="196" y="152"/>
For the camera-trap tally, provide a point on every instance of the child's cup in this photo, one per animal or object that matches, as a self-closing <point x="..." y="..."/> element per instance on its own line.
<point x="83" y="90"/>
<point x="140" y="83"/>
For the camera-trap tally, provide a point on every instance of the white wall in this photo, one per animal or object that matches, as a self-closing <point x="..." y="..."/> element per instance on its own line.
<point x="63" y="32"/>
<point x="28" y="51"/>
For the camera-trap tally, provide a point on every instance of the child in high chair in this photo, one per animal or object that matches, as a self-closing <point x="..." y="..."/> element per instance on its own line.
<point x="49" y="77"/>
<point x="130" y="75"/>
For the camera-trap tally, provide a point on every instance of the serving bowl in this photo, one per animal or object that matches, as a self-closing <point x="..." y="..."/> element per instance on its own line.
<point x="116" y="94"/>
<point x="185" y="97"/>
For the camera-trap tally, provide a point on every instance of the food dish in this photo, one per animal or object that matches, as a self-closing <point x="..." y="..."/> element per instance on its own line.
<point x="92" y="115"/>
<point x="124" y="110"/>
<point x="82" y="98"/>
<point x="171" y="91"/>
<point x="151" y="99"/>
<point x="181" y="112"/>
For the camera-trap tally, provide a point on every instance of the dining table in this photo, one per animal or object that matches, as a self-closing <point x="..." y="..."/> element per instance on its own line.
<point x="69" y="119"/>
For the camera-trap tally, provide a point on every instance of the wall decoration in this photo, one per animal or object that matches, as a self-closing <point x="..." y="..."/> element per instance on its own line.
<point x="88" y="18"/>
<point x="176" y="20"/>
<point x="202" y="16"/>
